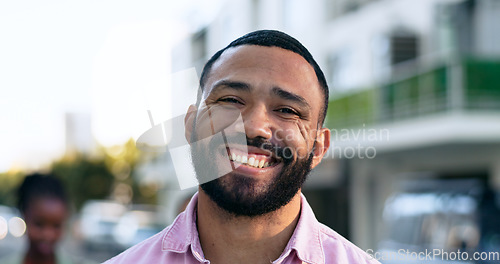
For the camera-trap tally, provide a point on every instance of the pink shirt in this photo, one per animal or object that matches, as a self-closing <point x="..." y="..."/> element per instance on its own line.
<point x="311" y="242"/>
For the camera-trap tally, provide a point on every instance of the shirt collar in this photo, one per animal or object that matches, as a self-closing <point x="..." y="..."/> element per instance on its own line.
<point x="183" y="231"/>
<point x="305" y="240"/>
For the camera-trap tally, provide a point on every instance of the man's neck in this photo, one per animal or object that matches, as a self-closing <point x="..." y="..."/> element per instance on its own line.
<point x="226" y="238"/>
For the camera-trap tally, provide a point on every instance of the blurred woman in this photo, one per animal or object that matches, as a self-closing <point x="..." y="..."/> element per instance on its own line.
<point x="44" y="206"/>
<point x="43" y="203"/>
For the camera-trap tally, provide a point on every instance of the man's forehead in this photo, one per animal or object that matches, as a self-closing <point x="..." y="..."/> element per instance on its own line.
<point x="247" y="59"/>
<point x="243" y="53"/>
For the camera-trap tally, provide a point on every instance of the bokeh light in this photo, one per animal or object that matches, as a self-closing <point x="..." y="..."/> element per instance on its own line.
<point x="17" y="226"/>
<point x="3" y="228"/>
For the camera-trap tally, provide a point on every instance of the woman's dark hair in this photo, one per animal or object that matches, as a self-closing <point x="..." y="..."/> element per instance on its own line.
<point x="272" y="38"/>
<point x="36" y="186"/>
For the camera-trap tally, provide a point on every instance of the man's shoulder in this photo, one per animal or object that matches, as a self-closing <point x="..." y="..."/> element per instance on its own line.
<point x="336" y="247"/>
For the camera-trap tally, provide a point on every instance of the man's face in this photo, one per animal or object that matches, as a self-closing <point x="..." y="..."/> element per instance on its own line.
<point x="277" y="94"/>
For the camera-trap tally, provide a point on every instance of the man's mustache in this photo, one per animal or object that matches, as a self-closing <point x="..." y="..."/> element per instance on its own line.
<point x="284" y="153"/>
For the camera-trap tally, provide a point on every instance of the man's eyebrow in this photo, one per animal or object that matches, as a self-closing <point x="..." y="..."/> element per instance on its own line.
<point x="290" y="96"/>
<point x="235" y="85"/>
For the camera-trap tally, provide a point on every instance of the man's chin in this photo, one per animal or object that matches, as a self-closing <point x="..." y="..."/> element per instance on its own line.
<point x="241" y="187"/>
<point x="242" y="195"/>
<point x="235" y="200"/>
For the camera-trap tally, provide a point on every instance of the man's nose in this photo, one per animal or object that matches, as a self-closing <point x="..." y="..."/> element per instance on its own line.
<point x="257" y="123"/>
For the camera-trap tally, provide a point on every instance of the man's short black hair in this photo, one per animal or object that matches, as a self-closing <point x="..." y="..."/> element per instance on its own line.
<point x="273" y="38"/>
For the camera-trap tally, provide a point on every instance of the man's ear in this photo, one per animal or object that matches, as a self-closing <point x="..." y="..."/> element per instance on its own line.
<point x="189" y="120"/>
<point x="322" y="145"/>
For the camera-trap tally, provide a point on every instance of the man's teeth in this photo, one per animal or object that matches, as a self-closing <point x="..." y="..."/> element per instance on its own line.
<point x="250" y="161"/>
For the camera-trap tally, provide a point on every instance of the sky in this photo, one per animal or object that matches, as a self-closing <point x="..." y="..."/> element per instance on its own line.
<point x="107" y="59"/>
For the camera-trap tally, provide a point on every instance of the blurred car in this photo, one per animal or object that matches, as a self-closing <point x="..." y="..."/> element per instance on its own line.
<point x="137" y="224"/>
<point x="440" y="218"/>
<point x="98" y="219"/>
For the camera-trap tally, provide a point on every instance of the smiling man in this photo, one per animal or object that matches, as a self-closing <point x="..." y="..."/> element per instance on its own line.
<point x="255" y="213"/>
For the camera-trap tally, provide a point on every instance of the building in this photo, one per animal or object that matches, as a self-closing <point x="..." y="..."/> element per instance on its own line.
<point x="414" y="109"/>
<point x="78" y="133"/>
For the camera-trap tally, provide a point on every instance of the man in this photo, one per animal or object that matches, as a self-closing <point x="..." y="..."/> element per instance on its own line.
<point x="255" y="213"/>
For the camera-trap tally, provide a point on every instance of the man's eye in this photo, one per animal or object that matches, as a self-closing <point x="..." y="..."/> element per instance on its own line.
<point x="229" y="100"/>
<point x="288" y="111"/>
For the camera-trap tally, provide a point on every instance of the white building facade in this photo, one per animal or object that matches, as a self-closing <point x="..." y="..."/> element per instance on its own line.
<point x="416" y="77"/>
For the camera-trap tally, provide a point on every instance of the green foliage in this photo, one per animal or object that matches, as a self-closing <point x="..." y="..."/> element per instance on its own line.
<point x="122" y="160"/>
<point x="111" y="174"/>
<point x="84" y="178"/>
<point x="8" y="186"/>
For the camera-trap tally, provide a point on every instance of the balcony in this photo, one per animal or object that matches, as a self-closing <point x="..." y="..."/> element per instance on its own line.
<point x="471" y="85"/>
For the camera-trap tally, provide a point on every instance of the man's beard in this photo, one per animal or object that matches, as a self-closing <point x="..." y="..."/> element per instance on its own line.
<point x="243" y="196"/>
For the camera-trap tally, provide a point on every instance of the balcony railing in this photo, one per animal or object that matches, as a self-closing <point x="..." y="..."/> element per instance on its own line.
<point x="468" y="85"/>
